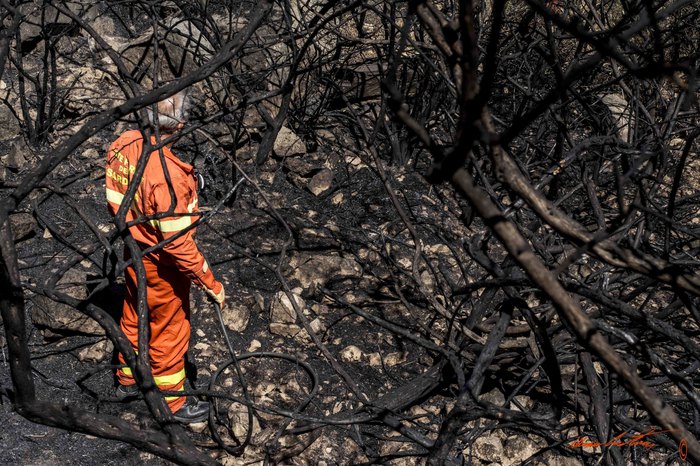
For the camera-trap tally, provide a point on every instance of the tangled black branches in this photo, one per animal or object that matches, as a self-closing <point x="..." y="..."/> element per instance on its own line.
<point x="479" y="218"/>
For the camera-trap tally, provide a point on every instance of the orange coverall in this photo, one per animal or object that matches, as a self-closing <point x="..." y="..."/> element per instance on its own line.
<point x="169" y="270"/>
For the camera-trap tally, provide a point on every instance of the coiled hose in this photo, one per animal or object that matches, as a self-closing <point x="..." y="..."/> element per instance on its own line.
<point x="234" y="361"/>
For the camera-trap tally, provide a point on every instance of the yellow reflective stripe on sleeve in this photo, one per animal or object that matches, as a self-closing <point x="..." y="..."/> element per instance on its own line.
<point x="169" y="226"/>
<point x="205" y="266"/>
<point x="114" y="196"/>
<point x="170" y="379"/>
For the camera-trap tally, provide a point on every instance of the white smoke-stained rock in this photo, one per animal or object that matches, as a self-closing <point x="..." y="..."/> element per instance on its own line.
<point x="351" y="354"/>
<point x="288" y="144"/>
<point x="313" y="270"/>
<point x="321" y="182"/>
<point x="236" y="317"/>
<point x="283" y="316"/>
<point x="59" y="317"/>
<point x="97" y="352"/>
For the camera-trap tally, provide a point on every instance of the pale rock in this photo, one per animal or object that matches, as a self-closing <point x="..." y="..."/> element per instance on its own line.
<point x="227" y="382"/>
<point x="321" y="182"/>
<point x="105" y="227"/>
<point x="106" y="28"/>
<point x="288" y="143"/>
<point x="37" y="16"/>
<point x="551" y="458"/>
<point x="303" y="337"/>
<point x="200" y="333"/>
<point x="128" y="417"/>
<point x="205" y="349"/>
<point x="428" y="280"/>
<point x="254" y="346"/>
<point x="354" y="298"/>
<point x="147" y="457"/>
<point x="390" y="447"/>
<point x="677" y="143"/>
<point x="433" y="409"/>
<point x="23" y="225"/>
<point x="523" y="400"/>
<point x="198" y="427"/>
<point x="437" y="249"/>
<point x="517" y="449"/>
<point x="418" y="413"/>
<point x="90" y="154"/>
<point x="325" y="134"/>
<point x="59" y="317"/>
<point x="282" y="310"/>
<point x="337" y="198"/>
<point x="283" y="316"/>
<point x="354" y="161"/>
<point x="393" y="359"/>
<point x="351" y="354"/>
<point x="259" y="302"/>
<point x="284" y="330"/>
<point x="620" y="110"/>
<point x="317" y="325"/>
<point x="319" y="309"/>
<point x="97" y="352"/>
<point x="236" y="317"/>
<point x="494" y="396"/>
<point x="183" y="43"/>
<point x="253" y="455"/>
<point x="313" y="270"/>
<point x="252" y="118"/>
<point x="375" y="359"/>
<point x="19" y="155"/>
<point x="487" y="448"/>
<point x="352" y="452"/>
<point x="339" y="406"/>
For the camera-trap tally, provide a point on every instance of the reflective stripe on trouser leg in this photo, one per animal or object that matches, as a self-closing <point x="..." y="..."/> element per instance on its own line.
<point x="168" y="304"/>
<point x="124" y="374"/>
<point x="173" y="382"/>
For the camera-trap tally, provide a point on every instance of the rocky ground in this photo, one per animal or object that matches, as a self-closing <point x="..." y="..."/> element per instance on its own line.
<point x="243" y="244"/>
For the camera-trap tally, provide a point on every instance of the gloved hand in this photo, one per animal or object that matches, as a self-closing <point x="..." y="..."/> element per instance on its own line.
<point x="217" y="293"/>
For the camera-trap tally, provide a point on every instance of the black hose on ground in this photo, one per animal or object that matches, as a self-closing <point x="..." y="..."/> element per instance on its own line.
<point x="213" y="412"/>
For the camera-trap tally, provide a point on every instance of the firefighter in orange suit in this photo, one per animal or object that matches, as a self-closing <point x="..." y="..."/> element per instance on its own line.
<point x="170" y="269"/>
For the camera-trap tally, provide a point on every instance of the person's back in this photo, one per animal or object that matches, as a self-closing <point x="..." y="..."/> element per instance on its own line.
<point x="152" y="199"/>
